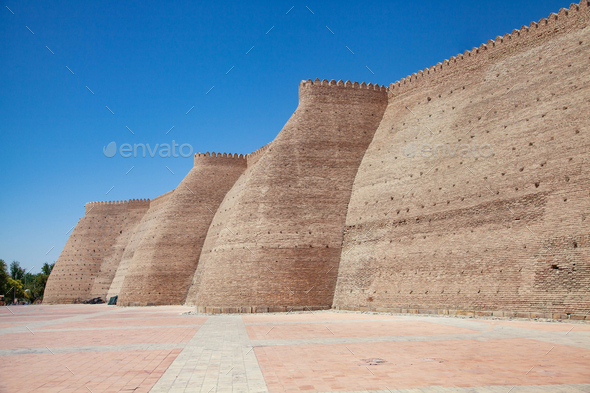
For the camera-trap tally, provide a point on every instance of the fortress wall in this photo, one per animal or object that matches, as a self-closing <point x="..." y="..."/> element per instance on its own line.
<point x="90" y="251"/>
<point x="275" y="240"/>
<point x="223" y="213"/>
<point x="164" y="262"/>
<point x="136" y="209"/>
<point x="161" y="199"/>
<point x="509" y="232"/>
<point x="253" y="157"/>
<point x="137" y="235"/>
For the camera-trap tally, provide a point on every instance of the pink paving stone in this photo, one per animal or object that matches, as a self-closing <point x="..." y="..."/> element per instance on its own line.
<point x="31" y="318"/>
<point x="108" y="371"/>
<point x="452" y="363"/>
<point x="351" y="329"/>
<point x="114" y="323"/>
<point x="71" y="309"/>
<point x="292" y="368"/>
<point x="544" y="326"/>
<point x="135" y="315"/>
<point x="101" y="371"/>
<point x="7" y="325"/>
<point x="317" y="316"/>
<point x="41" y="339"/>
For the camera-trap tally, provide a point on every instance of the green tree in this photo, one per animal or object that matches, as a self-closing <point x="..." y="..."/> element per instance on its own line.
<point x="39" y="288"/>
<point x="29" y="286"/>
<point x="4" y="287"/>
<point x="17" y="272"/>
<point x="41" y="281"/>
<point x="16" y="290"/>
<point x="47" y="268"/>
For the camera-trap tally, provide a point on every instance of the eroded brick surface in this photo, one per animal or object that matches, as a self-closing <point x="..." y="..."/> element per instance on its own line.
<point x="508" y="232"/>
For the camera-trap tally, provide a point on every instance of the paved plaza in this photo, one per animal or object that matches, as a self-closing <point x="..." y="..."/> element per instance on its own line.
<point x="100" y="348"/>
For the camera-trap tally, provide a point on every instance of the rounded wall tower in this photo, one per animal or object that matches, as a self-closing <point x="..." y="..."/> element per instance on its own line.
<point x="164" y="261"/>
<point x="88" y="261"/>
<point x="275" y="240"/>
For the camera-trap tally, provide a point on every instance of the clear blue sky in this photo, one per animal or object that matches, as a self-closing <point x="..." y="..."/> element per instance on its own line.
<point x="152" y="61"/>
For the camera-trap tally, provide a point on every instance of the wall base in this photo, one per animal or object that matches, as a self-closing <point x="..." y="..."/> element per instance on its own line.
<point x="256" y="309"/>
<point x="471" y="313"/>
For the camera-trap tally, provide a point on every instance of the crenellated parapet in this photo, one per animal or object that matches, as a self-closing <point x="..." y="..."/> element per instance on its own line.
<point x="339" y="91"/>
<point x="346" y="85"/>
<point x="562" y="22"/>
<point x="220" y="159"/>
<point x="139" y="203"/>
<point x="160" y="200"/>
<point x="89" y="260"/>
<point x="253" y="157"/>
<point x="93" y="208"/>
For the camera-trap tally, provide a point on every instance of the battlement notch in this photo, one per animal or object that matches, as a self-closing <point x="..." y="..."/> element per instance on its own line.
<point x="91" y="208"/>
<point x="220" y="159"/>
<point x="253" y="157"/>
<point x="331" y="91"/>
<point x="554" y="24"/>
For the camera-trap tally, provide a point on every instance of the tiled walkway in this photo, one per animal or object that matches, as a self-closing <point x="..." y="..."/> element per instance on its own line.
<point x="99" y="348"/>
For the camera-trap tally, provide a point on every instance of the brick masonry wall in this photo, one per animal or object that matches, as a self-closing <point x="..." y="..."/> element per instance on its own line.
<point x="225" y="210"/>
<point x="506" y="232"/>
<point x="165" y="260"/>
<point x="253" y="157"/>
<point x="275" y="241"/>
<point x="136" y="211"/>
<point x="136" y="237"/>
<point x="90" y="251"/>
<point x="462" y="190"/>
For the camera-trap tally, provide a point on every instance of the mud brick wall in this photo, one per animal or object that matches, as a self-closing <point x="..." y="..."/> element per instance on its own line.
<point x="502" y="231"/>
<point x="275" y="241"/>
<point x="136" y="237"/>
<point x="136" y="210"/>
<point x="165" y="260"/>
<point x="463" y="188"/>
<point x="93" y="251"/>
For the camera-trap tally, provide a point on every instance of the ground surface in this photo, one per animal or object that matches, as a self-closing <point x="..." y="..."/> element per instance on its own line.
<point x="100" y="348"/>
